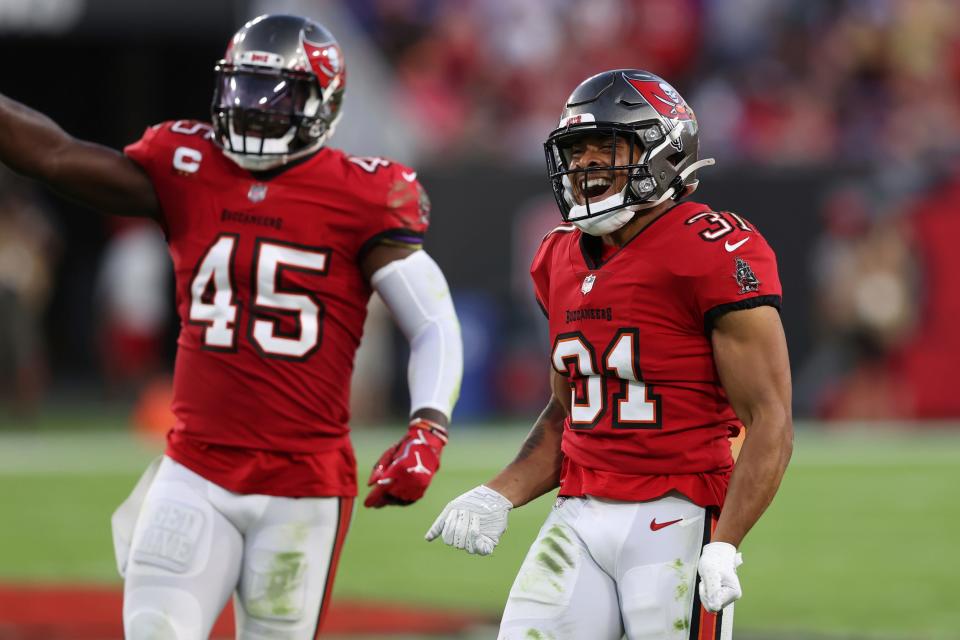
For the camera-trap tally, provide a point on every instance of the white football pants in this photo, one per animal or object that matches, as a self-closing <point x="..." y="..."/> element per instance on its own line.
<point x="196" y="543"/>
<point x="601" y="569"/>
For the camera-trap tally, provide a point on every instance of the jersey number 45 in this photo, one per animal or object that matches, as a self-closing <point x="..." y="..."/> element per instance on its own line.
<point x="213" y="302"/>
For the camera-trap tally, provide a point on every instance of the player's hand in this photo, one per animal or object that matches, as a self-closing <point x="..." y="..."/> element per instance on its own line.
<point x="404" y="471"/>
<point x="473" y="521"/>
<point x="719" y="584"/>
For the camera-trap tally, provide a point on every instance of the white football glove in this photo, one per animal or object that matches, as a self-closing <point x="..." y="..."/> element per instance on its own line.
<point x="719" y="584"/>
<point x="473" y="521"/>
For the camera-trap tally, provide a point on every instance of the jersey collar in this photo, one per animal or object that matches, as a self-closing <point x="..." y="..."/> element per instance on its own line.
<point x="591" y="246"/>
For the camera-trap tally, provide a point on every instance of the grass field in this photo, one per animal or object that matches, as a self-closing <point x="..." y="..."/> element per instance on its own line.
<point x="861" y="541"/>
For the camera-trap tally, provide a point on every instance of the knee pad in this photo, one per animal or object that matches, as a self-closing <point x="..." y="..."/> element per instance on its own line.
<point x="162" y="613"/>
<point x="151" y="625"/>
<point x="525" y="633"/>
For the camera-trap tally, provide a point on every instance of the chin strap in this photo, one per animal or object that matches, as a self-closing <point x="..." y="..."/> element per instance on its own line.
<point x="604" y="223"/>
<point x="254" y="162"/>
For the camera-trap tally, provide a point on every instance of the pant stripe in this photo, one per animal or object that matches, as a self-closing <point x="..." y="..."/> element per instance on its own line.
<point x="343" y="523"/>
<point x="703" y="624"/>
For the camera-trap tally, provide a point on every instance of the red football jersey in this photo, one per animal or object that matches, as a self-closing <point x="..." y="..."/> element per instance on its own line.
<point x="272" y="303"/>
<point x="632" y="333"/>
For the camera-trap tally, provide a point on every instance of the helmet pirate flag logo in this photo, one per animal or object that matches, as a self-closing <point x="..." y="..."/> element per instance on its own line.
<point x="662" y="97"/>
<point x="325" y="60"/>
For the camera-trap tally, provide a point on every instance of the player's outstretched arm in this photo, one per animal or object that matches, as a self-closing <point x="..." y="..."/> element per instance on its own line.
<point x="536" y="469"/>
<point x="416" y="293"/>
<point x="751" y="355"/>
<point x="475" y="520"/>
<point x="93" y="175"/>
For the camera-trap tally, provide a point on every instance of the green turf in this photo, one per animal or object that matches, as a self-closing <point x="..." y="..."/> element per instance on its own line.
<point x="860" y="542"/>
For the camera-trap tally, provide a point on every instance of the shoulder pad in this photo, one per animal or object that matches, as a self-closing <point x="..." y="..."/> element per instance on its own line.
<point x="376" y="166"/>
<point x="563" y="228"/>
<point x="176" y="129"/>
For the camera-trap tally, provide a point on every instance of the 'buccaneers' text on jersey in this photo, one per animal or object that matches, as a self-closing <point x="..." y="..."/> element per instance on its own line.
<point x="631" y="331"/>
<point x="271" y="302"/>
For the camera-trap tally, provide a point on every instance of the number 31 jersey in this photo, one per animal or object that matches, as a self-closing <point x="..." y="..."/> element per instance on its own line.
<point x="631" y="331"/>
<point x="271" y="302"/>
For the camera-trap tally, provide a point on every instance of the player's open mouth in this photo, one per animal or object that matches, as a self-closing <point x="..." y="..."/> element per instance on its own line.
<point x="596" y="187"/>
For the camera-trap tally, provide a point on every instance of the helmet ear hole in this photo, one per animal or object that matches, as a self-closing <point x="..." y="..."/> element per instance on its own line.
<point x="676" y="159"/>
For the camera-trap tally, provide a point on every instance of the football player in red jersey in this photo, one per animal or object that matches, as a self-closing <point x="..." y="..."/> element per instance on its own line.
<point x="666" y="341"/>
<point x="277" y="242"/>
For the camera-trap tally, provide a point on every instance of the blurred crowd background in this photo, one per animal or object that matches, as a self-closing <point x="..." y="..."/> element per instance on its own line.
<point x="835" y="123"/>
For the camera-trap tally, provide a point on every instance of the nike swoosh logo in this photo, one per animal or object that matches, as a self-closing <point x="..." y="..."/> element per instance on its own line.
<point x="409" y="177"/>
<point x="689" y="521"/>
<point x="656" y="526"/>
<point x="735" y="245"/>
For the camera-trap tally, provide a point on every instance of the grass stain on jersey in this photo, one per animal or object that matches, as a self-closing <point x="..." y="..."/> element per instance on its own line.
<point x="685" y="580"/>
<point x="297" y="533"/>
<point x="681" y="624"/>
<point x="548" y="561"/>
<point x="541" y="576"/>
<point x="557" y="531"/>
<point x="536" y="634"/>
<point x="553" y="556"/>
<point x="558" y="550"/>
<point x="279" y="586"/>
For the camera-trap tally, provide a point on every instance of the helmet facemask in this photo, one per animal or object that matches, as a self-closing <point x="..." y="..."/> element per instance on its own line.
<point x="267" y="117"/>
<point x="589" y="196"/>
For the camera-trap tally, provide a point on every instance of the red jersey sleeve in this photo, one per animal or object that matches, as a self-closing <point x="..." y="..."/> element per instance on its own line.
<point x="147" y="152"/>
<point x="739" y="271"/>
<point x="399" y="206"/>
<point x="542" y="264"/>
<point x="143" y="151"/>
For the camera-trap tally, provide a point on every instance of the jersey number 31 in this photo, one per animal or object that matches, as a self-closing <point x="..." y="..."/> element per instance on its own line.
<point x="635" y="405"/>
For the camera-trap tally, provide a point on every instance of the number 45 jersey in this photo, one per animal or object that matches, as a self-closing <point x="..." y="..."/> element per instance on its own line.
<point x="632" y="334"/>
<point x="272" y="303"/>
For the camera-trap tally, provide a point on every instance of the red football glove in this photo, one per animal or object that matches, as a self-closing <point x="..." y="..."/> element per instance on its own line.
<point x="404" y="471"/>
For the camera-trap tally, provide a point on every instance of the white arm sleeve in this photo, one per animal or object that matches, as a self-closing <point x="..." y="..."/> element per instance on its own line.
<point x="417" y="295"/>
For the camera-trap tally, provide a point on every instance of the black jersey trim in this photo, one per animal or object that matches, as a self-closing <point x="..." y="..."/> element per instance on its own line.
<point x="696" y="610"/>
<point x="710" y="317"/>
<point x="542" y="308"/>
<point x="398" y="235"/>
<point x="331" y="571"/>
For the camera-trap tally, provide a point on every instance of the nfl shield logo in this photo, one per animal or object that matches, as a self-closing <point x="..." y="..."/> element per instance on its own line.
<point x="588" y="284"/>
<point x="258" y="191"/>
